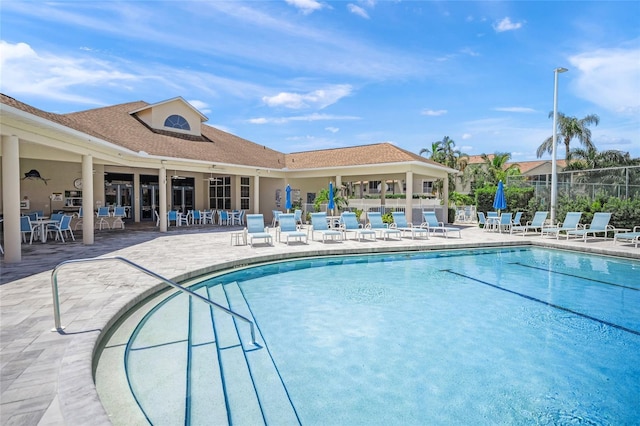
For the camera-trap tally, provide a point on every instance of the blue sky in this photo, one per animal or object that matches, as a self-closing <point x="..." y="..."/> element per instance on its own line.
<point x="299" y="75"/>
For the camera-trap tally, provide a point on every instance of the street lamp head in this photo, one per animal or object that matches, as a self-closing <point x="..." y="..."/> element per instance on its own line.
<point x="560" y="70"/>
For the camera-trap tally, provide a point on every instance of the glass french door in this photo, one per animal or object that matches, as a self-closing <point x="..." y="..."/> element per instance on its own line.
<point x="149" y="198"/>
<point x="182" y="195"/>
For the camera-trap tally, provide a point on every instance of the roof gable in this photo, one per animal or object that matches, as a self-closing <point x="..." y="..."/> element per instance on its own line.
<point x="173" y="115"/>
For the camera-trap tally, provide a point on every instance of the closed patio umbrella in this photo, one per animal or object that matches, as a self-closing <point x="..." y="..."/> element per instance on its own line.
<point x="500" y="201"/>
<point x="287" y="203"/>
<point x="332" y="204"/>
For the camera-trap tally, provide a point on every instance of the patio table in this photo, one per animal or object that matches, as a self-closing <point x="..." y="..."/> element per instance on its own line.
<point x="42" y="223"/>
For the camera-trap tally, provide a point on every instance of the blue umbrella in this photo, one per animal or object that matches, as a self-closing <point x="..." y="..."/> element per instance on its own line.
<point x="287" y="203"/>
<point x="500" y="201"/>
<point x="332" y="204"/>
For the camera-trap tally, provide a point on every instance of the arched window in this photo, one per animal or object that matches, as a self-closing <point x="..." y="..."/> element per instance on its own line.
<point x="177" y="122"/>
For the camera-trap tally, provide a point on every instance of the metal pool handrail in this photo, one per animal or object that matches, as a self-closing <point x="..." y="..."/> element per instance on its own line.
<point x="56" y="299"/>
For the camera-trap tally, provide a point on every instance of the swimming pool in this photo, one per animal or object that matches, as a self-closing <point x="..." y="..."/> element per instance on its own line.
<point x="518" y="335"/>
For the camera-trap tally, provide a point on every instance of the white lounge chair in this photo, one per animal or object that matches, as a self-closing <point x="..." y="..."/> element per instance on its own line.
<point x="288" y="227"/>
<point x="400" y="222"/>
<point x="256" y="229"/>
<point x="571" y="223"/>
<point x="599" y="225"/>
<point x="630" y="237"/>
<point x="349" y="223"/>
<point x="535" y="224"/>
<point x="432" y="225"/>
<point x="319" y="224"/>
<point x="376" y="223"/>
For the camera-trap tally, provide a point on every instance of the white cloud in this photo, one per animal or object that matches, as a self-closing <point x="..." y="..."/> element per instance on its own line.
<point x="466" y="136"/>
<point x="319" y="99"/>
<point x="609" y="78"/>
<point x="309" y="117"/>
<point x="357" y="10"/>
<point x="332" y="129"/>
<point x="434" y="113"/>
<point x="306" y="6"/>
<point x="514" y="109"/>
<point x="24" y="71"/>
<point x="203" y="107"/>
<point x="506" y="25"/>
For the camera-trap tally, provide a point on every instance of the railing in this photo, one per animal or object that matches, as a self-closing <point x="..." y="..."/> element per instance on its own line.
<point x="56" y="299"/>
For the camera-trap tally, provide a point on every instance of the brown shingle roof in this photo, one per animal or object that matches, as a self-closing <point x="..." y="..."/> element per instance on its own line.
<point x="379" y="153"/>
<point x="117" y="125"/>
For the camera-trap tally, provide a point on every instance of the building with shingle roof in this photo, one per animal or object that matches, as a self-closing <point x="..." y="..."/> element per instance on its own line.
<point x="152" y="158"/>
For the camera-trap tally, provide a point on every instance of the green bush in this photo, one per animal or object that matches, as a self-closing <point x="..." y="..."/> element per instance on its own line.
<point x="518" y="199"/>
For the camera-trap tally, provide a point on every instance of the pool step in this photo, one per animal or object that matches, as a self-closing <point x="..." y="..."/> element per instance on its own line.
<point x="274" y="399"/>
<point x="248" y="382"/>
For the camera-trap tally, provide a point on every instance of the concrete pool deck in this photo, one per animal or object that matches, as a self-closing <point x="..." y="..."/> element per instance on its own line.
<point x="46" y="377"/>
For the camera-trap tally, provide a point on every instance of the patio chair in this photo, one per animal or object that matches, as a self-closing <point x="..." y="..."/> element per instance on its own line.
<point x="535" y="225"/>
<point x="256" y="230"/>
<point x="504" y="222"/>
<point x="287" y="226"/>
<point x="482" y="221"/>
<point x="119" y="213"/>
<point x="64" y="227"/>
<point x="400" y="222"/>
<point x="376" y="223"/>
<point x="102" y="215"/>
<point x="517" y="218"/>
<point x="630" y="237"/>
<point x="599" y="225"/>
<point x="26" y="227"/>
<point x="173" y="216"/>
<point x="319" y="224"/>
<point x="52" y="228"/>
<point x="298" y="216"/>
<point x="349" y="223"/>
<point x="223" y="218"/>
<point x="80" y="216"/>
<point x="195" y="216"/>
<point x="432" y="225"/>
<point x="571" y="223"/>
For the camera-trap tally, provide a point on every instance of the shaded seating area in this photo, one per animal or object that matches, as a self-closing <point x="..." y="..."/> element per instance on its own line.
<point x="599" y="225"/>
<point x="256" y="229"/>
<point x="349" y="223"/>
<point x="319" y="224"/>
<point x="571" y="223"/>
<point x="400" y="223"/>
<point x="381" y="228"/>
<point x="628" y="237"/>
<point x="536" y="224"/>
<point x="288" y="227"/>
<point x="433" y="225"/>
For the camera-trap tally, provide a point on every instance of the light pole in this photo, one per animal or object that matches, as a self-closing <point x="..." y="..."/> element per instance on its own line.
<point x="554" y="166"/>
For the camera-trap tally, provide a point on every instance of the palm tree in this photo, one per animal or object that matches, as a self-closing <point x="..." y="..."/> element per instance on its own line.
<point x="435" y="151"/>
<point x="570" y="128"/>
<point x="493" y="169"/>
<point x="444" y="152"/>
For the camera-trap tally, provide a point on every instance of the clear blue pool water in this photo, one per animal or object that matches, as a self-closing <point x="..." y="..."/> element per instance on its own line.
<point x="504" y="336"/>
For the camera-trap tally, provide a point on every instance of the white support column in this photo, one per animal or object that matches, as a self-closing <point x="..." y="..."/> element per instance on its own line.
<point x="409" y="197"/>
<point x="11" y="198"/>
<point x="383" y="192"/>
<point x="445" y="198"/>
<point x="256" y="194"/>
<point x="87" y="200"/>
<point x="162" y="194"/>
